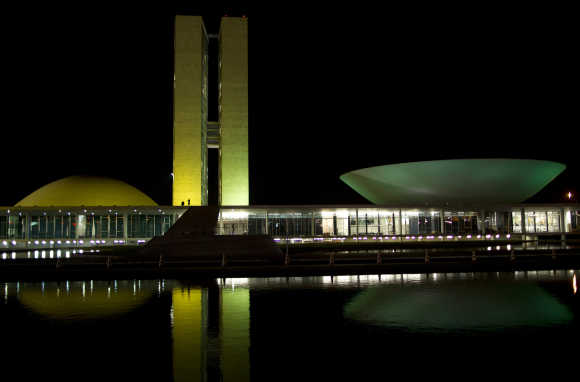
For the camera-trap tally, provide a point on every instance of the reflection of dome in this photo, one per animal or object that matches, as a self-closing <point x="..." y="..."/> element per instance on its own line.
<point x="87" y="191"/>
<point x="458" y="305"/>
<point x="58" y="302"/>
<point x="469" y="181"/>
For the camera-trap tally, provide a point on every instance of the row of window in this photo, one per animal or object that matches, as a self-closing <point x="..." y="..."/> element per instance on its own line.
<point x="537" y="222"/>
<point x="84" y="226"/>
<point x="312" y="223"/>
<point x="394" y="224"/>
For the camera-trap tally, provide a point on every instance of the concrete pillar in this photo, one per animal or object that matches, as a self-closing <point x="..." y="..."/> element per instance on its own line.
<point x="266" y="229"/>
<point x="401" y="222"/>
<point x="442" y="220"/>
<point x="366" y="224"/>
<point x="348" y="224"/>
<point x="523" y="218"/>
<point x="125" y="226"/>
<point x="482" y="221"/>
<point x="26" y="226"/>
<point x="356" y="223"/>
<point x="562" y="220"/>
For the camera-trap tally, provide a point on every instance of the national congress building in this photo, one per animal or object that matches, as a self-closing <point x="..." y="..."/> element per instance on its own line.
<point x="436" y="200"/>
<point x="193" y="135"/>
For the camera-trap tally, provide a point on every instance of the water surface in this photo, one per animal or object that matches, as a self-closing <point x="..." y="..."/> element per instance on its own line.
<point x="452" y="326"/>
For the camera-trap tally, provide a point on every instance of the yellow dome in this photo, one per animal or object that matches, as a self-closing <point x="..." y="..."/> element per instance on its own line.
<point x="86" y="191"/>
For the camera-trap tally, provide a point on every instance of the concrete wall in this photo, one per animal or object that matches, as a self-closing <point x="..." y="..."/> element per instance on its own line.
<point x="190" y="112"/>
<point x="234" y="189"/>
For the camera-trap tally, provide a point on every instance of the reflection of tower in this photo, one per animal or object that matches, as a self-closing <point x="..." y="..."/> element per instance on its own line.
<point x="188" y="356"/>
<point x="211" y="333"/>
<point x="211" y="302"/>
<point x="190" y="112"/>
<point x="235" y="333"/>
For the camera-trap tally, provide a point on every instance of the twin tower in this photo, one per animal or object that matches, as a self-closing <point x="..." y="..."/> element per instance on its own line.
<point x="193" y="135"/>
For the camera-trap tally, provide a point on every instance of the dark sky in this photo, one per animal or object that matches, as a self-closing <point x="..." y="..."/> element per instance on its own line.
<point x="89" y="91"/>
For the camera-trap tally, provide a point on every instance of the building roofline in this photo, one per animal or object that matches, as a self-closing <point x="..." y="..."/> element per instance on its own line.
<point x="506" y="207"/>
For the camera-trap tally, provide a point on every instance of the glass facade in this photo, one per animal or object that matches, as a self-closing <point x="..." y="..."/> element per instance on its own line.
<point x="288" y="221"/>
<point x="328" y="222"/>
<point x="51" y="224"/>
<point x="47" y="226"/>
<point x="12" y="227"/>
<point x="539" y="221"/>
<point x="104" y="226"/>
<point x="146" y="226"/>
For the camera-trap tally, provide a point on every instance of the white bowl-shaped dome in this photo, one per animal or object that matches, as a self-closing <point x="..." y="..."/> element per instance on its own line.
<point x="86" y="191"/>
<point x="465" y="181"/>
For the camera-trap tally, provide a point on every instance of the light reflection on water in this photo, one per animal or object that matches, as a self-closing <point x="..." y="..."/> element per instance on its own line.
<point x="488" y="250"/>
<point x="242" y="329"/>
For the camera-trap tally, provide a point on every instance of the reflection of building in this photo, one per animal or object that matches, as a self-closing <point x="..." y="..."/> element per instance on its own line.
<point x="251" y="329"/>
<point x="211" y="332"/>
<point x="539" y="309"/>
<point x="101" y="330"/>
<point x="83" y="299"/>
<point x="207" y="328"/>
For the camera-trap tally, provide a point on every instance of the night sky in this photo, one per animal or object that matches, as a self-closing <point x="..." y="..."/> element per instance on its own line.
<point x="89" y="91"/>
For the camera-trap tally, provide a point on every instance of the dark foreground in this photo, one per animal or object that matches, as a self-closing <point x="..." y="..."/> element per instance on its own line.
<point x="493" y="326"/>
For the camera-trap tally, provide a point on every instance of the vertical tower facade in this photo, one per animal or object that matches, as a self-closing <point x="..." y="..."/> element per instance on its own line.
<point x="190" y="107"/>
<point x="234" y="188"/>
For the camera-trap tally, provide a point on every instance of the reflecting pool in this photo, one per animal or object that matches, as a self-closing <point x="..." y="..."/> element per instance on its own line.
<point x="445" y="325"/>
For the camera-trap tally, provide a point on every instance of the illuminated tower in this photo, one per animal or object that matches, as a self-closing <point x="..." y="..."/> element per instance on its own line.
<point x="190" y="112"/>
<point x="233" y="112"/>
